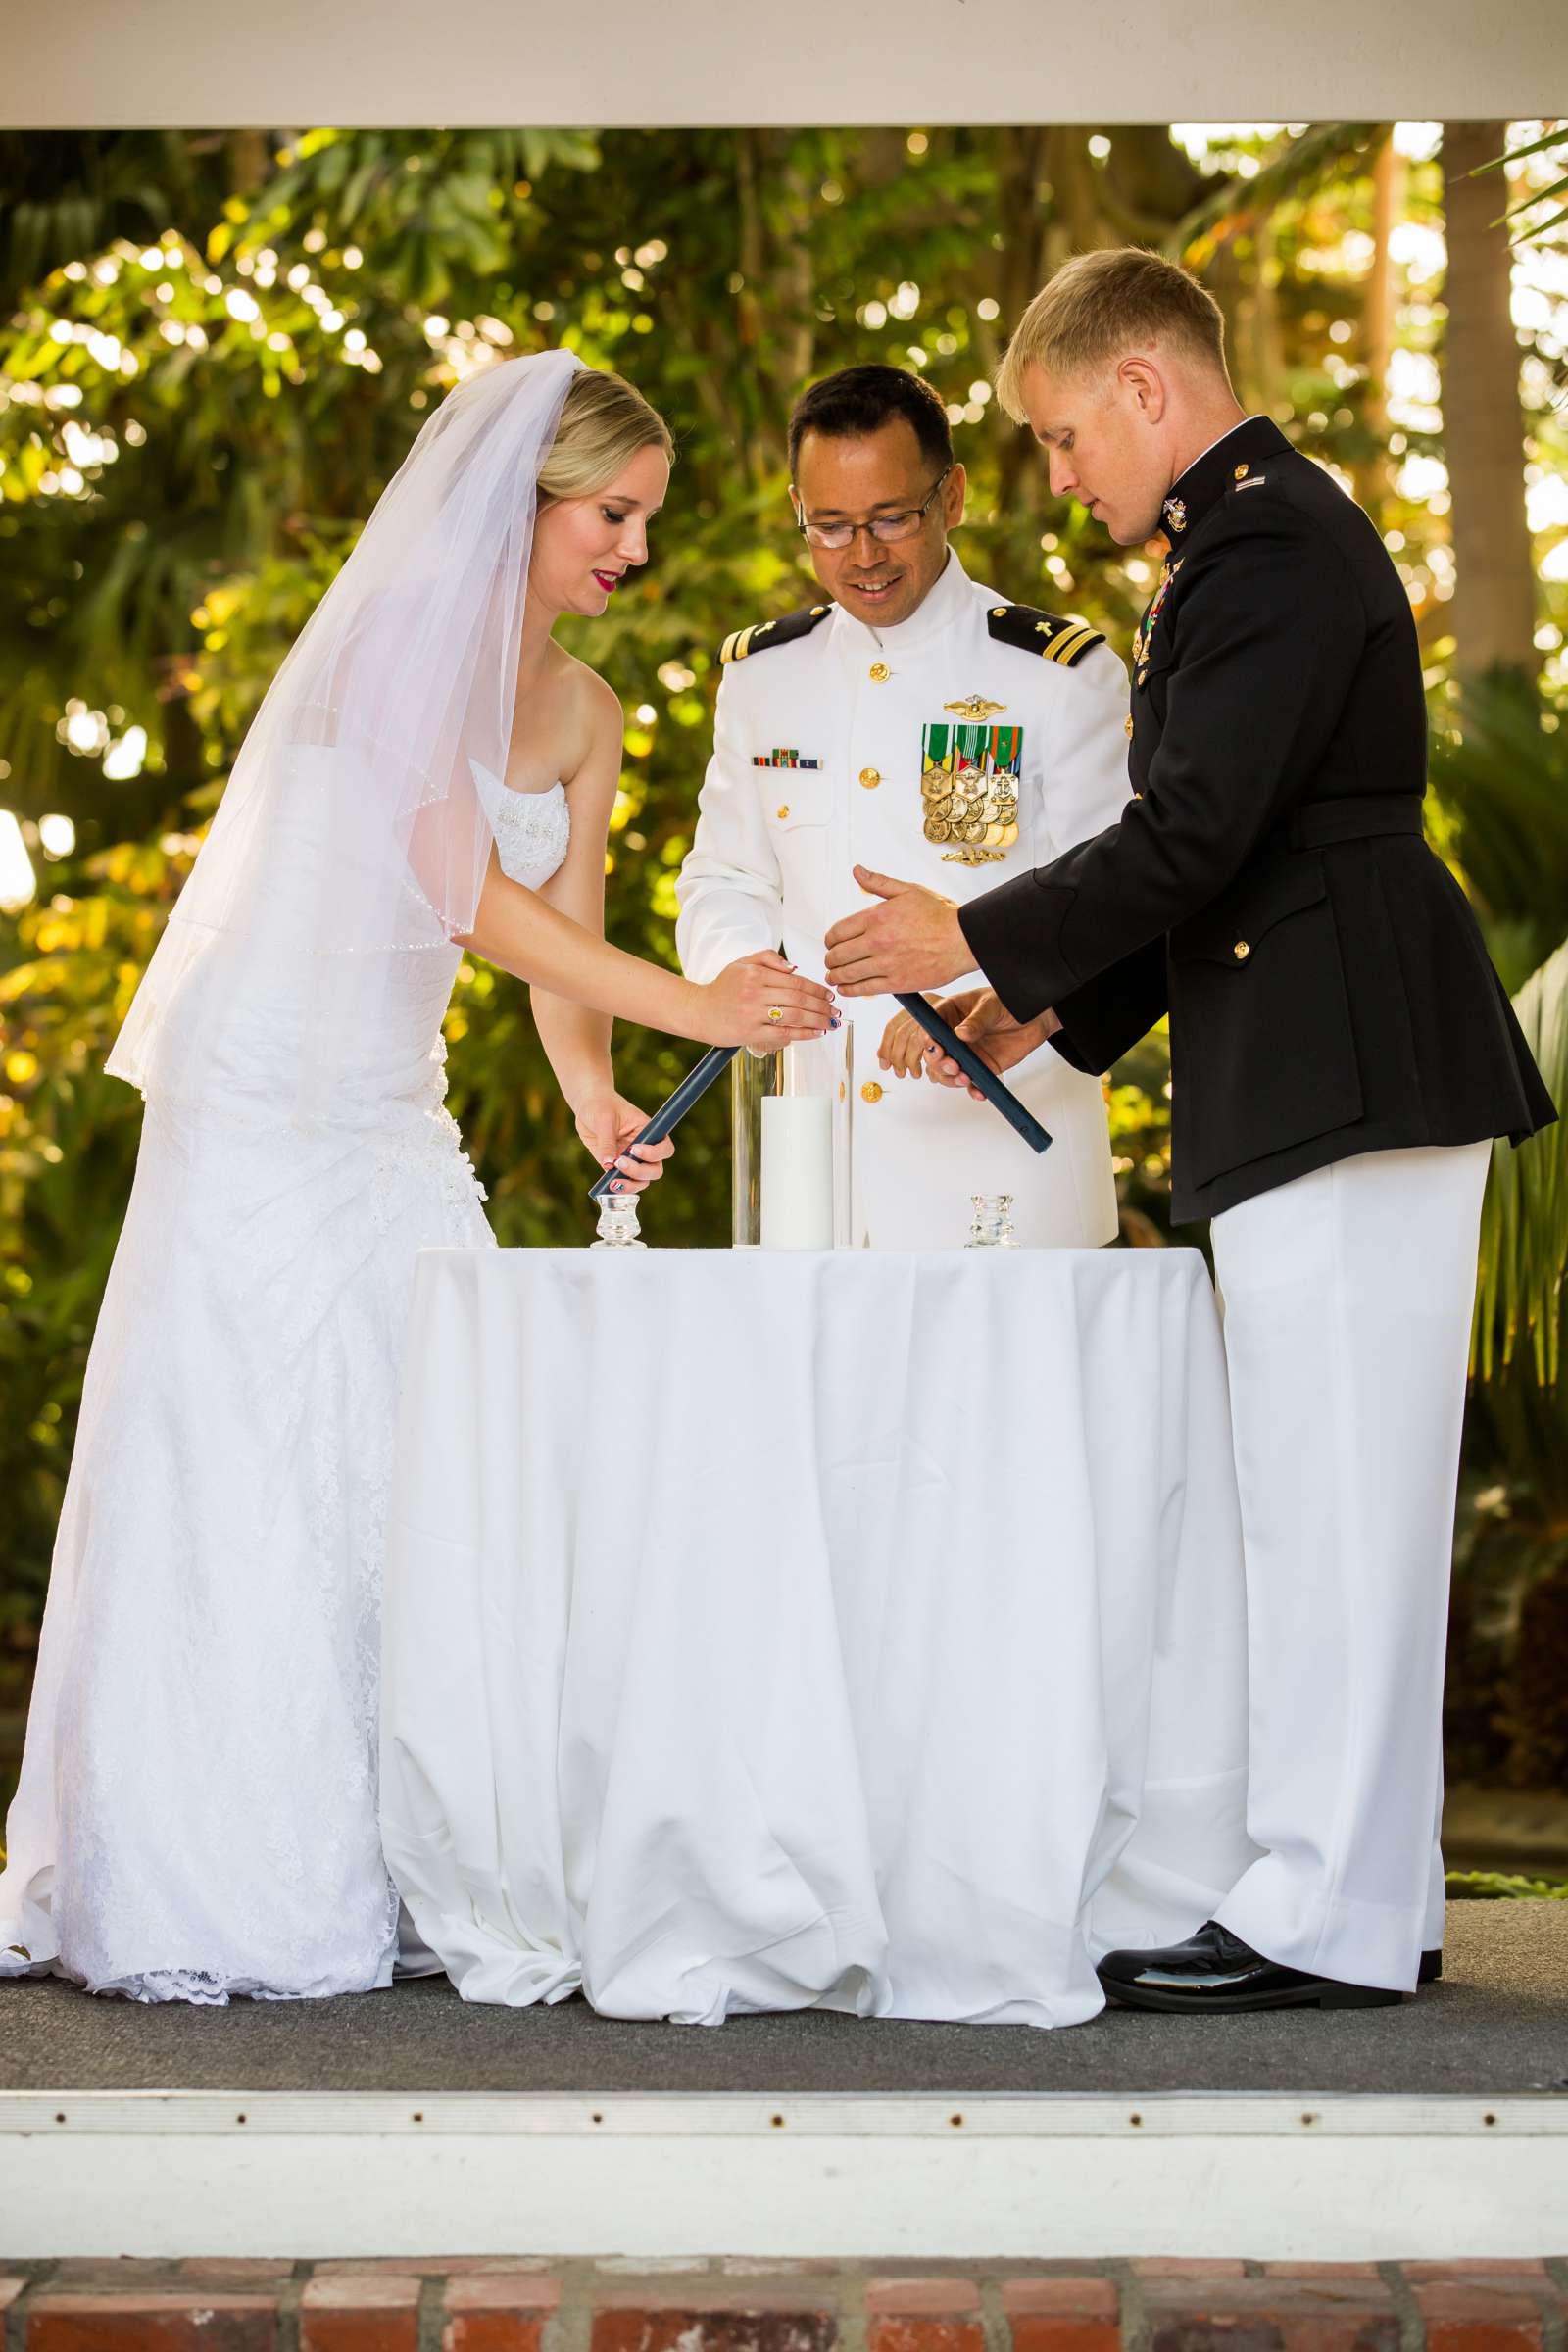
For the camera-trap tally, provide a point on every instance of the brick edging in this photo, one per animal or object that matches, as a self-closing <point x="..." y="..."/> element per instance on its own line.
<point x="505" y="2304"/>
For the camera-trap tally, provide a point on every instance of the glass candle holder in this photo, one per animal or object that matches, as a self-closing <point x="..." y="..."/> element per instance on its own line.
<point x="822" y="1068"/>
<point x="617" y="1223"/>
<point x="991" y="1224"/>
<point x="753" y="1078"/>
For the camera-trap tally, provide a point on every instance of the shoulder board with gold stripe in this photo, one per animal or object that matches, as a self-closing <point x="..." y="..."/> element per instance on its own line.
<point x="1034" y="632"/>
<point x="766" y="633"/>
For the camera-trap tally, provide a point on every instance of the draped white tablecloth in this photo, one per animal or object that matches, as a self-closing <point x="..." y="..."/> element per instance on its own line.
<point x="767" y="1630"/>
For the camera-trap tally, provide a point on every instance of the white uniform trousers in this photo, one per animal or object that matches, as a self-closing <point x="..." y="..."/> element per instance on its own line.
<point x="1347" y="1297"/>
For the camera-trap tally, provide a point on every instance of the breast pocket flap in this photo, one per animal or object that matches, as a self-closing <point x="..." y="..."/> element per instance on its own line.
<point x="795" y="798"/>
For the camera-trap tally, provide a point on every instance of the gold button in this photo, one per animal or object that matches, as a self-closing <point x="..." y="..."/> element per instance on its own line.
<point x="842" y="1090"/>
<point x="870" y="1091"/>
<point x="1138" y="795"/>
<point x="1241" y="473"/>
<point x="817" y="611"/>
<point x="1242" y="950"/>
<point x="1127" y="722"/>
<point x="880" y="673"/>
<point x="998" y="611"/>
<point x="783" y="809"/>
<point x="871" y="777"/>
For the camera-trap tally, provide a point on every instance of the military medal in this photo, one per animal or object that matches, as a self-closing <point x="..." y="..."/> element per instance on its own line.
<point x="783" y="759"/>
<point x="969" y="784"/>
<point x="1145" y="628"/>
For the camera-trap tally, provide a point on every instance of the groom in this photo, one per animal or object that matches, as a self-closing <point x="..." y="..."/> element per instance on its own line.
<point x="1342" y="1052"/>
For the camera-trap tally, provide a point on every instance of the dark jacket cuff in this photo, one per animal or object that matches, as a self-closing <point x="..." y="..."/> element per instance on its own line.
<point x="1106" y="1016"/>
<point x="1013" y="933"/>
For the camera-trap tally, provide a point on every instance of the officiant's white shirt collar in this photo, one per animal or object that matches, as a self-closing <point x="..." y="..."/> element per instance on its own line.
<point x="942" y="605"/>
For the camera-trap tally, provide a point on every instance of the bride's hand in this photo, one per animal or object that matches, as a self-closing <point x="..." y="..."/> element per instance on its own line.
<point x="749" y="994"/>
<point x="607" y="1123"/>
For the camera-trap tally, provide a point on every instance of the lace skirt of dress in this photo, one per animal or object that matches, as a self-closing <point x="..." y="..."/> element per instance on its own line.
<point x="197" y="1811"/>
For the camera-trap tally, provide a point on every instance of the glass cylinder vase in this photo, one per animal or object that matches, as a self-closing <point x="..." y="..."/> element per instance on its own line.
<point x="822" y="1067"/>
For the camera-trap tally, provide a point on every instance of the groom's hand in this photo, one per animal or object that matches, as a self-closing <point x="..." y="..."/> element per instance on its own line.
<point x="905" y="1046"/>
<point x="912" y="941"/>
<point x="987" y="1025"/>
<point x="607" y="1123"/>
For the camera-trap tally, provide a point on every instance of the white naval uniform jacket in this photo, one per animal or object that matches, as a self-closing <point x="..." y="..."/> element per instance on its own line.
<point x="775" y="843"/>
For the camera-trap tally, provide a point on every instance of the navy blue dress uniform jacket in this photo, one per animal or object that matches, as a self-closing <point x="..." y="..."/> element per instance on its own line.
<point x="1269" y="885"/>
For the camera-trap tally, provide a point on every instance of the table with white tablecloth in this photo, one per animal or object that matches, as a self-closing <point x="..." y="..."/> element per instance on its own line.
<point x="766" y="1629"/>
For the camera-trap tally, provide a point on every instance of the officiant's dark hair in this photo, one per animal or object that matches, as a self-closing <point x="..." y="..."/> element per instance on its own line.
<point x="861" y="400"/>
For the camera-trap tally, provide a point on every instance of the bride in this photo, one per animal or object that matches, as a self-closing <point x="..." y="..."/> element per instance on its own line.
<point x="428" y="772"/>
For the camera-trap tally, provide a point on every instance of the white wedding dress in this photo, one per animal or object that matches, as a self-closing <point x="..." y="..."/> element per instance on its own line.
<point x="197" y="1811"/>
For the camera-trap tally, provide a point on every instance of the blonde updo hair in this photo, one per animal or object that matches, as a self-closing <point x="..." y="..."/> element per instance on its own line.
<point x="603" y="422"/>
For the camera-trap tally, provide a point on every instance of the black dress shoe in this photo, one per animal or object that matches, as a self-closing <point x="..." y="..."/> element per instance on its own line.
<point x="1214" y="1973"/>
<point x="1431" y="1968"/>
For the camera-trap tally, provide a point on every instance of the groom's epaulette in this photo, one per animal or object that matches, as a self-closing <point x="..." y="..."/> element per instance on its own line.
<point x="1048" y="633"/>
<point x="763" y="633"/>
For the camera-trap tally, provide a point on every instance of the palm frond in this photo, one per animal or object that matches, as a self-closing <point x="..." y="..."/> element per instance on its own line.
<point x="1528" y="204"/>
<point x="1517" y="155"/>
<point x="1499" y="774"/>
<point x="1524" y="1221"/>
<point x="1554" y="143"/>
<point x="1528" y="235"/>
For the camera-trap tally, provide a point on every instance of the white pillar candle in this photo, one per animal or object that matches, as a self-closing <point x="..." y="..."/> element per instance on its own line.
<point x="797" y="1172"/>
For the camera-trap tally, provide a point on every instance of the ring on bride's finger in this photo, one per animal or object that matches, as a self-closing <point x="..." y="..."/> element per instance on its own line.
<point x="775" y="1012"/>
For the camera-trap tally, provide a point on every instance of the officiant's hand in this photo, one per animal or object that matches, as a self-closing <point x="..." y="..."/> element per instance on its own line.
<point x="906" y="1047"/>
<point x="984" y="1022"/>
<point x="607" y="1123"/>
<point x="912" y="940"/>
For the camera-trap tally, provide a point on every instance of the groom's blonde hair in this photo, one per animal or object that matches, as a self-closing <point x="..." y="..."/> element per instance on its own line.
<point x="603" y="422"/>
<point x="1098" y="307"/>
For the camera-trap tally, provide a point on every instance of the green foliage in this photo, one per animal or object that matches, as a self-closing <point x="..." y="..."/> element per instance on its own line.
<point x="1491" y="1885"/>
<point x="1138" y="1102"/>
<point x="1523" y="1240"/>
<point x="1553" y="145"/>
<point x="215" y="350"/>
<point x="1499" y="777"/>
<point x="1509" y="1630"/>
<point x="1500" y="802"/>
<point x="67" y="1141"/>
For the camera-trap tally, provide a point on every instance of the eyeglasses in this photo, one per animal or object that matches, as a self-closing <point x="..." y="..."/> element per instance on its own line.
<point x="888" y="528"/>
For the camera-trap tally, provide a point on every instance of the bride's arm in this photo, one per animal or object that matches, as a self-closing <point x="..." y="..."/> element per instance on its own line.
<point x="515" y="928"/>
<point x="576" y="1039"/>
<point x="518" y="929"/>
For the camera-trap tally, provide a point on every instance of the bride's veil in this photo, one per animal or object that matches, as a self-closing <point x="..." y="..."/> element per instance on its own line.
<point x="351" y="834"/>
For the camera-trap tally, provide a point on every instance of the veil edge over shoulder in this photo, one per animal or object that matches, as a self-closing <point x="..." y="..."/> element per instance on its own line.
<point x="351" y="833"/>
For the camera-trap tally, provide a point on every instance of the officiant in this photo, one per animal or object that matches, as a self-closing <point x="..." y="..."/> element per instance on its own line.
<point x="912" y="719"/>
